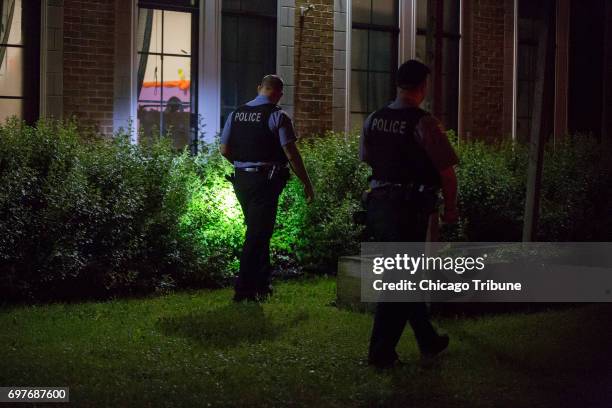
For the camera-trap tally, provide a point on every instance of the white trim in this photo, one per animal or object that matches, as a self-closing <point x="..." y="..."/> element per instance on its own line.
<point x="209" y="67"/>
<point x="408" y="28"/>
<point x="134" y="74"/>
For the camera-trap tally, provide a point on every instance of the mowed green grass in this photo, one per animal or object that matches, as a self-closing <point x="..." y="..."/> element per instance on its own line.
<point x="198" y="349"/>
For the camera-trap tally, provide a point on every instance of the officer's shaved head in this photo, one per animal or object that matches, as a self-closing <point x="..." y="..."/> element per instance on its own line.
<point x="412" y="74"/>
<point x="272" y="87"/>
<point x="412" y="82"/>
<point x="273" y="81"/>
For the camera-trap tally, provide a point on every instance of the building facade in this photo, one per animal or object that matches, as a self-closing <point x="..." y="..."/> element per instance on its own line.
<point x="500" y="68"/>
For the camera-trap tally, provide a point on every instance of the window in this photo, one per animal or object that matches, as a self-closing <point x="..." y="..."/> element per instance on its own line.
<point x="19" y="59"/>
<point x="248" y="50"/>
<point x="534" y="20"/>
<point x="526" y="71"/>
<point x="374" y="56"/>
<point x="167" y="48"/>
<point x="438" y="47"/>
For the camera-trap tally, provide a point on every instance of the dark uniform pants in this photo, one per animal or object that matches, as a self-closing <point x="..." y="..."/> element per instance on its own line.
<point x="395" y="216"/>
<point x="258" y="197"/>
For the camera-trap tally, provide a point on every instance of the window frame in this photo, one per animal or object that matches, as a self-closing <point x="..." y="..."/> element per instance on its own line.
<point x="271" y="19"/>
<point x="395" y="55"/>
<point x="194" y="56"/>
<point x="31" y="59"/>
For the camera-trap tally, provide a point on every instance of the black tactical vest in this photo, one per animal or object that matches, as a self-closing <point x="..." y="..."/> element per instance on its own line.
<point x="251" y="139"/>
<point x="393" y="151"/>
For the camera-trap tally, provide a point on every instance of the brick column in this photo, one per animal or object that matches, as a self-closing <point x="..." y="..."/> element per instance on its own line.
<point x="314" y="67"/>
<point x="89" y="28"/>
<point x="488" y="64"/>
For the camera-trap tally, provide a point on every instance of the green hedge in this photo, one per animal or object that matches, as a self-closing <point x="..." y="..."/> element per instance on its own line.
<point x="84" y="216"/>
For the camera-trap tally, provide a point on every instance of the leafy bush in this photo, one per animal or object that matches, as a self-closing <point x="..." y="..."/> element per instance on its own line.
<point x="88" y="216"/>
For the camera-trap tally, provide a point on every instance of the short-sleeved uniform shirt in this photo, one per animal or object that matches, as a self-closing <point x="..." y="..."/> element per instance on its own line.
<point x="279" y="123"/>
<point x="429" y="133"/>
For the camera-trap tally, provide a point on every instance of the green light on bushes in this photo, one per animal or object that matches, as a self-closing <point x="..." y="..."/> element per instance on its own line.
<point x="228" y="203"/>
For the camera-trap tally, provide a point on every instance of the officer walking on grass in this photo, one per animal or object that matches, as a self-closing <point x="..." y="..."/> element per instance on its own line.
<point x="411" y="159"/>
<point x="259" y="140"/>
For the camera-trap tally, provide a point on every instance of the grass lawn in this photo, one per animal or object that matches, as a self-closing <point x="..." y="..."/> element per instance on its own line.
<point x="199" y="349"/>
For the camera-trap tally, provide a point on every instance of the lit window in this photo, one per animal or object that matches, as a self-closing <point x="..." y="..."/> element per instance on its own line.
<point x="167" y="56"/>
<point x="19" y="59"/>
<point x="374" y="46"/>
<point x="248" y="49"/>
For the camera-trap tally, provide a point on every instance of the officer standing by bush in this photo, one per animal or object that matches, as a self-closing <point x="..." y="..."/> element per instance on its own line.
<point x="259" y="140"/>
<point x="411" y="159"/>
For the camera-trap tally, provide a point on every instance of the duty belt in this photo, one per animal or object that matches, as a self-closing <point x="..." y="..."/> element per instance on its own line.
<point x="263" y="167"/>
<point x="375" y="184"/>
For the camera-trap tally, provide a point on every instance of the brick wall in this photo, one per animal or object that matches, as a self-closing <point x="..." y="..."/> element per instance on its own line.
<point x="314" y="56"/>
<point x="488" y="69"/>
<point x="89" y="27"/>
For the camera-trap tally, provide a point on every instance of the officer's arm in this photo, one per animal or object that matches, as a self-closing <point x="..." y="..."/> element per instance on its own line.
<point x="435" y="142"/>
<point x="224" y="148"/>
<point x="297" y="164"/>
<point x="448" y="179"/>
<point x="363" y="152"/>
<point x="225" y="152"/>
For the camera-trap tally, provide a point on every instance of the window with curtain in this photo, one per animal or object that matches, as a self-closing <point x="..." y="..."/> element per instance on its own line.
<point x="248" y="49"/>
<point x="166" y="39"/>
<point x="374" y="56"/>
<point x="19" y="59"/>
<point x="438" y="47"/>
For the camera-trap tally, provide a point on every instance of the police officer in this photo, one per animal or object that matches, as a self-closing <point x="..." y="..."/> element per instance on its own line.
<point x="259" y="140"/>
<point x="411" y="159"/>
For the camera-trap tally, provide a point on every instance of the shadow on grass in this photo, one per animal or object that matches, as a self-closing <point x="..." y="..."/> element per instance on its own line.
<point x="229" y="326"/>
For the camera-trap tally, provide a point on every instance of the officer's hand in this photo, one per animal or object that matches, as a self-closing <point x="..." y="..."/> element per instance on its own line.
<point x="450" y="216"/>
<point x="309" y="193"/>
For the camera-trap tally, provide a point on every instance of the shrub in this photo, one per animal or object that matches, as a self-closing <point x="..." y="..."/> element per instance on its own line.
<point x="88" y="216"/>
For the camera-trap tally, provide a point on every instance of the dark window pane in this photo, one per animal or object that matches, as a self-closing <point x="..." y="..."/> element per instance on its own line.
<point x="357" y="120"/>
<point x="264" y="7"/>
<point x="362" y="11"/>
<point x="359" y="49"/>
<point x="385" y="12"/>
<point x="231" y="5"/>
<point x="422" y="14"/>
<point x="379" y="93"/>
<point x="421" y="48"/>
<point x="359" y="91"/>
<point x="248" y="53"/>
<point x="451" y="17"/>
<point x="381" y="50"/>
<point x="229" y="38"/>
